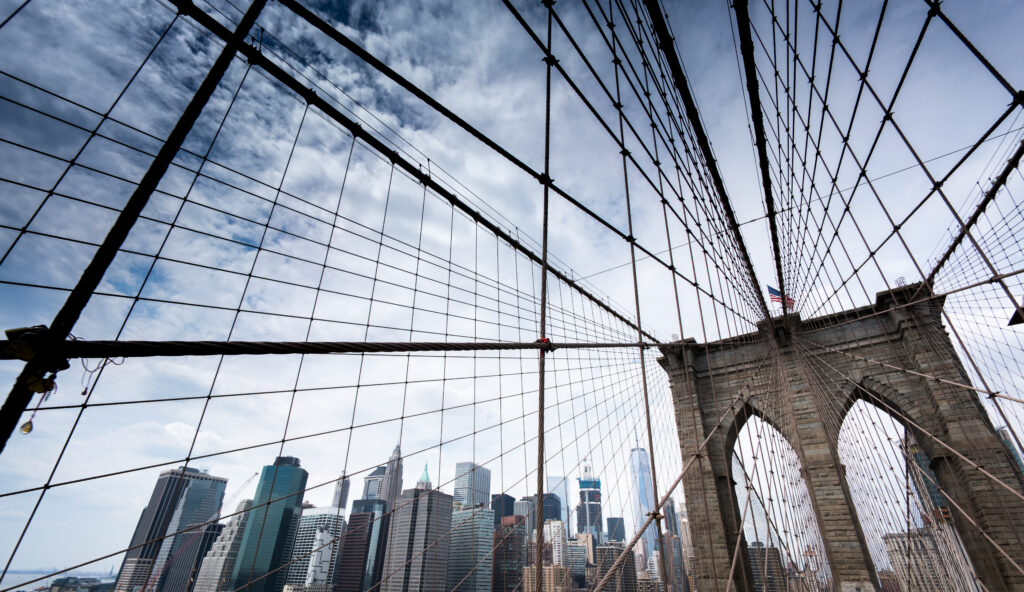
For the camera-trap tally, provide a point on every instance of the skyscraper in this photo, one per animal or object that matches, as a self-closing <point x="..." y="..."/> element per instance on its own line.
<point x="470" y="560"/>
<point x="310" y="524"/>
<point x="931" y="501"/>
<point x="677" y="562"/>
<point x="268" y="537"/>
<point x="391" y="486"/>
<point x="417" y="553"/>
<point x="509" y="554"/>
<point x="321" y="561"/>
<point x="524" y="507"/>
<point x="182" y="570"/>
<point x="671" y="520"/>
<point x="766" y="565"/>
<point x="181" y="497"/>
<point x="340" y="499"/>
<point x="198" y="504"/>
<point x="363" y="547"/>
<point x="588" y="511"/>
<point x="219" y="563"/>
<point x="624" y="580"/>
<point x="502" y="505"/>
<point x="373" y="484"/>
<point x="616" y="529"/>
<point x="472" y="484"/>
<point x="560" y="486"/>
<point x="643" y="500"/>
<point x="552" y="509"/>
<point x="578" y="563"/>
<point x="555" y="539"/>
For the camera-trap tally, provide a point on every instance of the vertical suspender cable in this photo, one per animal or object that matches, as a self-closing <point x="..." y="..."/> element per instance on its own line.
<point x="538" y="507"/>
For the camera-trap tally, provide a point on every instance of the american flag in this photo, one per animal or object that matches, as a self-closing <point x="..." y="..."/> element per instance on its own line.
<point x="776" y="296"/>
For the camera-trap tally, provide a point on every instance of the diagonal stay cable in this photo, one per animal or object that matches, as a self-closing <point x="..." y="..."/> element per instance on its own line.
<point x="667" y="47"/>
<point x="257" y="58"/>
<point x="757" y="117"/>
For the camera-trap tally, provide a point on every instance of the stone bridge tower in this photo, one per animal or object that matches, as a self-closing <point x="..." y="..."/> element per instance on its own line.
<point x="949" y="423"/>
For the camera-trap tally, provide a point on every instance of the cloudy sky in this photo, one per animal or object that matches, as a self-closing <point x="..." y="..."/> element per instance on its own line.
<point x="293" y="231"/>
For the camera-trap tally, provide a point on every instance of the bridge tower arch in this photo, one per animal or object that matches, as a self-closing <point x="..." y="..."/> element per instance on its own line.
<point x="816" y="369"/>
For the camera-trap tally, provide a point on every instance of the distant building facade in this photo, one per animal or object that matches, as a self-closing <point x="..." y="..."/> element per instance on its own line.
<point x="417" y="551"/>
<point x="503" y="505"/>
<point x="588" y="511"/>
<point x="363" y="547"/>
<point x="470" y="560"/>
<point x="643" y="498"/>
<point x="616" y="529"/>
<point x="623" y="580"/>
<point x="310" y="524"/>
<point x="218" y="565"/>
<point x="509" y="554"/>
<point x="181" y="497"/>
<point x="270" y="533"/>
<point x="766" y="566"/>
<point x="472" y="484"/>
<point x="554" y="578"/>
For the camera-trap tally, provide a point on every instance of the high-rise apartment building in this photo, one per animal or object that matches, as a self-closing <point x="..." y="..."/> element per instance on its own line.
<point x="218" y="565"/>
<point x="310" y="524"/>
<point x="509" y="554"/>
<point x="472" y="484"/>
<point x="267" y="541"/>
<point x="363" y="547"/>
<point x="643" y="497"/>
<point x="503" y="505"/>
<point x="417" y="552"/>
<point x="470" y="560"/>
<point x="588" y="511"/>
<point x="182" y="497"/>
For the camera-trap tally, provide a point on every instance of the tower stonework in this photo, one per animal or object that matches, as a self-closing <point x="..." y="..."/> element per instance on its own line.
<point x="776" y="374"/>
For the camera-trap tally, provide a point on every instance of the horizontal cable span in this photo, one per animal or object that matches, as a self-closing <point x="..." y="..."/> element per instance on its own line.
<point x="144" y="349"/>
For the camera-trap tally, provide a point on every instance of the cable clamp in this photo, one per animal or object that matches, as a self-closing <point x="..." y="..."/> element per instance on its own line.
<point x="33" y="344"/>
<point x="656" y="514"/>
<point x="546" y="345"/>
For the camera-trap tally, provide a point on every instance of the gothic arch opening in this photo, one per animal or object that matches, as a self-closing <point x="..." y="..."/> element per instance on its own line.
<point x="905" y="518"/>
<point x="783" y="540"/>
